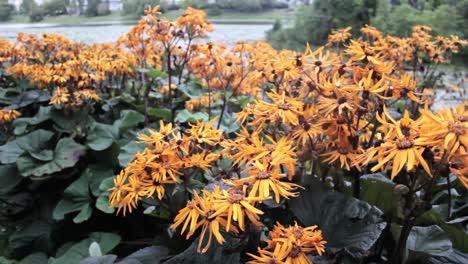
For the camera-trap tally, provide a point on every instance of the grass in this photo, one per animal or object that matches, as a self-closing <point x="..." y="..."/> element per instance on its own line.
<point x="226" y="17"/>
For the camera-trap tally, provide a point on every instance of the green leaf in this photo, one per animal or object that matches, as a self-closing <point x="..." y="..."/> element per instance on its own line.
<point x="95" y="250"/>
<point x="456" y="232"/>
<point x="30" y="233"/>
<point x="9" y="178"/>
<point x="77" y="196"/>
<point x="101" y="136"/>
<point x="3" y="260"/>
<point x="21" y="124"/>
<point x="128" y="151"/>
<point x="187" y="116"/>
<point x="191" y="90"/>
<point x="216" y="254"/>
<point x="154" y="73"/>
<point x="80" y="250"/>
<point x="229" y="124"/>
<point x="429" y="239"/>
<point x="347" y="223"/>
<point x="159" y="113"/>
<point x="66" y="154"/>
<point x="43" y="155"/>
<point x="148" y="255"/>
<point x="454" y="257"/>
<point x="378" y="190"/>
<point x="10" y="152"/>
<point x="30" y="97"/>
<point x="102" y="202"/>
<point x="74" y="123"/>
<point x="35" y="141"/>
<point x="35" y="258"/>
<point x="107" y="259"/>
<point x="129" y="119"/>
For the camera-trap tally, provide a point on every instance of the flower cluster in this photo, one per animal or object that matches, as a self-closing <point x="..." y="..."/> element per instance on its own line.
<point x="290" y="245"/>
<point x="7" y="116"/>
<point x="168" y="156"/>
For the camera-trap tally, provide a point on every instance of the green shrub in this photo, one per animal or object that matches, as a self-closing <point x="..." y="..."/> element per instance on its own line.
<point x="6" y="10"/>
<point x="37" y="14"/>
<point x="137" y="7"/>
<point x="55" y="7"/>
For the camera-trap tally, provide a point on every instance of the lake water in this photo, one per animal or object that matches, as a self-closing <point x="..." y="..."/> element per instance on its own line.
<point x="92" y="33"/>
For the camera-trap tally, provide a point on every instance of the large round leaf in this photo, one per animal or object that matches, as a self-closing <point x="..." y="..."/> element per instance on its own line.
<point x="429" y="239"/>
<point x="66" y="155"/>
<point x="347" y="223"/>
<point x="80" y="250"/>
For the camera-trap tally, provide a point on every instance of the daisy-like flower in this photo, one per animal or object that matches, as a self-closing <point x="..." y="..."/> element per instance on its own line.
<point x="283" y="108"/>
<point x="291" y="245"/>
<point x="234" y="205"/>
<point x="204" y="218"/>
<point x="404" y="87"/>
<point x="264" y="179"/>
<point x="402" y="146"/>
<point x="7" y="115"/>
<point x="447" y="129"/>
<point x="339" y="35"/>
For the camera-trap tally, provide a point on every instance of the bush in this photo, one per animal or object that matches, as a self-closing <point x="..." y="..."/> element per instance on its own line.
<point x="214" y="11"/>
<point x="241" y="5"/>
<point x="313" y="23"/>
<point x="36" y="14"/>
<point x="6" y="10"/>
<point x="97" y="8"/>
<point x="137" y="7"/>
<point x="27" y="6"/>
<point x="55" y="7"/>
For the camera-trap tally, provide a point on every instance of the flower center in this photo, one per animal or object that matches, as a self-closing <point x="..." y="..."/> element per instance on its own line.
<point x="283" y="106"/>
<point x="457" y="128"/>
<point x="209" y="213"/>
<point x="235" y="198"/>
<point x="297" y="232"/>
<point x="272" y="261"/>
<point x="263" y="175"/>
<point x="461" y="118"/>
<point x="404" y="143"/>
<point x="295" y="251"/>
<point x="271" y="147"/>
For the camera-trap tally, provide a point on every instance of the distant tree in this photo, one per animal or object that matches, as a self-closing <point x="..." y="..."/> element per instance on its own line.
<point x="97" y="8"/>
<point x="195" y="3"/>
<point x="27" y="6"/>
<point x="55" y="7"/>
<point x="6" y="10"/>
<point x="137" y="7"/>
<point x="313" y="23"/>
<point x="37" y="14"/>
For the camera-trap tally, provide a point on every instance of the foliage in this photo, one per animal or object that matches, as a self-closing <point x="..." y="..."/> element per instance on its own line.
<point x="97" y="8"/>
<point x="37" y="14"/>
<point x="6" y="10"/>
<point x="55" y="7"/>
<point x="163" y="149"/>
<point x="314" y="23"/>
<point x="27" y="6"/>
<point x="137" y="7"/>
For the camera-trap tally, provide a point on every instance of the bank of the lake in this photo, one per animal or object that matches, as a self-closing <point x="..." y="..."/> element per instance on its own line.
<point x="92" y="32"/>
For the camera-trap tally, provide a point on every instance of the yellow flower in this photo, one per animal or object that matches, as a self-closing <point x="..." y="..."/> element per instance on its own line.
<point x="235" y="206"/>
<point x="265" y="178"/>
<point x="7" y="115"/>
